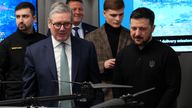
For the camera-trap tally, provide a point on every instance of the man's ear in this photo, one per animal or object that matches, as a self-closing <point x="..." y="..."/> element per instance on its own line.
<point x="153" y="28"/>
<point x="49" y="23"/>
<point x="104" y="13"/>
<point x="34" y="19"/>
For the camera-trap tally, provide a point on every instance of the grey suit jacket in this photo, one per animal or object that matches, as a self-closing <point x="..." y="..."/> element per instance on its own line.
<point x="103" y="49"/>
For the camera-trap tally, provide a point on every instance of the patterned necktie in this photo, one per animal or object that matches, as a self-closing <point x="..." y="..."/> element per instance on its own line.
<point x="76" y="31"/>
<point x="64" y="76"/>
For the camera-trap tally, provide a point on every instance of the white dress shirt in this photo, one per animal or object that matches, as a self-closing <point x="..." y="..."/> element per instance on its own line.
<point x="80" y="31"/>
<point x="57" y="51"/>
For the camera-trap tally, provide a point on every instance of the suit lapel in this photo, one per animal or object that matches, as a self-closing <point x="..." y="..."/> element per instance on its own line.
<point x="124" y="39"/>
<point x="75" y="56"/>
<point x="50" y="58"/>
<point x="85" y="30"/>
<point x="104" y="38"/>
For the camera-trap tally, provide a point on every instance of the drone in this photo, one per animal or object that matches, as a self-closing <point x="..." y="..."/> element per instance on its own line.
<point x="88" y="89"/>
<point x="87" y="92"/>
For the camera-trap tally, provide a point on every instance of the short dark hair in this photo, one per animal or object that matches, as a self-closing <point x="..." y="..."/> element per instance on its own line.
<point x="143" y="12"/>
<point x="24" y="5"/>
<point x="67" y="1"/>
<point x="113" y="4"/>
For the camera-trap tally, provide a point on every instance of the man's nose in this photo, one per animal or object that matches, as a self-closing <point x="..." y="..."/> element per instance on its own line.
<point x="21" y="19"/>
<point x="76" y="11"/>
<point x="137" y="32"/>
<point x="118" y="18"/>
<point x="62" y="27"/>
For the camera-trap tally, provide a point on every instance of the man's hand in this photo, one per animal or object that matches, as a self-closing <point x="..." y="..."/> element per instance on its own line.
<point x="109" y="64"/>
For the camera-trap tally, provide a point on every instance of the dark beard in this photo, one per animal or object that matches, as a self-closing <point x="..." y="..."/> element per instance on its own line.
<point x="22" y="27"/>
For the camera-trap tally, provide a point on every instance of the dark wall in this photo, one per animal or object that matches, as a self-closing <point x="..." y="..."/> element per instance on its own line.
<point x="185" y="97"/>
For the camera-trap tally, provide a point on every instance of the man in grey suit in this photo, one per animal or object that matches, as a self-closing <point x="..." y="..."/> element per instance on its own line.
<point x="109" y="40"/>
<point x="43" y="65"/>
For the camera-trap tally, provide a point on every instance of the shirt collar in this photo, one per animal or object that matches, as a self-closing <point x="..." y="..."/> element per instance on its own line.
<point x="25" y="35"/>
<point x="56" y="43"/>
<point x="141" y="47"/>
<point x="80" y="26"/>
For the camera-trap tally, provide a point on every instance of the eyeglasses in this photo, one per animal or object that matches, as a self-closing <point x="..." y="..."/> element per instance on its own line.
<point x="59" y="25"/>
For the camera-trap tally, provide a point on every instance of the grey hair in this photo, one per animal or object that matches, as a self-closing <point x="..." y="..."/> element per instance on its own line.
<point x="60" y="7"/>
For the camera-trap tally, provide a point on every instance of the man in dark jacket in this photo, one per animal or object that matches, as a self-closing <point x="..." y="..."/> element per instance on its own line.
<point x="146" y="64"/>
<point x="12" y="51"/>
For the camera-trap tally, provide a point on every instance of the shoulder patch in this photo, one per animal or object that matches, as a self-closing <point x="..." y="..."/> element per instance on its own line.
<point x="16" y="48"/>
